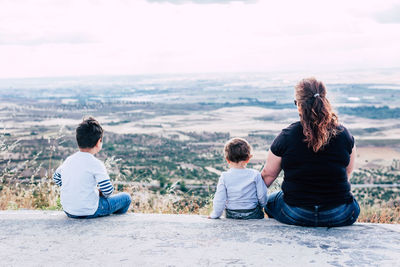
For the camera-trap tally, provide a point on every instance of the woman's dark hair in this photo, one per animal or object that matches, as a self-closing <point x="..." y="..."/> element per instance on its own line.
<point x="88" y="133"/>
<point x="319" y="121"/>
<point x="237" y="149"/>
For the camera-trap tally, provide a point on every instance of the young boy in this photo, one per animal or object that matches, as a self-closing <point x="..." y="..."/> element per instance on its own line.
<point x="85" y="185"/>
<point x="241" y="191"/>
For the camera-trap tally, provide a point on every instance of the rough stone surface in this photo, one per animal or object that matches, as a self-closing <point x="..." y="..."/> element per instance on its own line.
<point x="50" y="238"/>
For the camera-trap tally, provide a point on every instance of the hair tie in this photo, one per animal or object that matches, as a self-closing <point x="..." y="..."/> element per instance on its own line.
<point x="315" y="96"/>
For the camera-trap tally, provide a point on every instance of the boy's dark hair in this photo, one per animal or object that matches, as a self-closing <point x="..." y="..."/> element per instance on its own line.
<point x="237" y="149"/>
<point x="88" y="133"/>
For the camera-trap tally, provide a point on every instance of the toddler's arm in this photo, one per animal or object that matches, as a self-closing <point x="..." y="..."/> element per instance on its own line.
<point x="219" y="200"/>
<point x="103" y="180"/>
<point x="106" y="188"/>
<point x="261" y="191"/>
<point x="57" y="177"/>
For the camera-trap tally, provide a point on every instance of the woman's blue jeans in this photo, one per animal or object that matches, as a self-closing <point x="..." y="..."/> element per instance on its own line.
<point x="316" y="216"/>
<point x="117" y="204"/>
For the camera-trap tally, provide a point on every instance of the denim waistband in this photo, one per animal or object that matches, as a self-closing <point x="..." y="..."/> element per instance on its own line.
<point x="244" y="211"/>
<point x="320" y="207"/>
<point x="256" y="213"/>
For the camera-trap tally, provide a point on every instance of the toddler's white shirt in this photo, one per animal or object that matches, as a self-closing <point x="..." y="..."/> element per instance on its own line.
<point x="239" y="189"/>
<point x="80" y="173"/>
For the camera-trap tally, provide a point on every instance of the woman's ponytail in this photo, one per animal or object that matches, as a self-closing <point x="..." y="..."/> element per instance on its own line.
<point x="319" y="122"/>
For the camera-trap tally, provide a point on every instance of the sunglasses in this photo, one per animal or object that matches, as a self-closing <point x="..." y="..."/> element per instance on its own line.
<point x="295" y="102"/>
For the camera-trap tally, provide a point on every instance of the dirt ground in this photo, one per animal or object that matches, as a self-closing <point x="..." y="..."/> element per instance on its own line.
<point x="373" y="157"/>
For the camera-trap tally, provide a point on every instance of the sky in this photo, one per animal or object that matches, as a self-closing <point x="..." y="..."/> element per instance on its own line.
<point x="45" y="38"/>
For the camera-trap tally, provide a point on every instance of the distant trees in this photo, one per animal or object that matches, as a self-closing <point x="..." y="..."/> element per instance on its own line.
<point x="372" y="112"/>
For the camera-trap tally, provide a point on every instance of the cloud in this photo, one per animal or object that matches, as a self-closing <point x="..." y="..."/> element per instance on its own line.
<point x="388" y="16"/>
<point x="51" y="38"/>
<point x="78" y="37"/>
<point x="178" y="2"/>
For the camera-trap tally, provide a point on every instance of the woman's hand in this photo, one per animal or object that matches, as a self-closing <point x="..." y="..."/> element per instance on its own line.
<point x="271" y="169"/>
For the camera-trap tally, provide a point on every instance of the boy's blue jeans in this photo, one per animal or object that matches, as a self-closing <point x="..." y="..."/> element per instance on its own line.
<point x="117" y="204"/>
<point x="316" y="216"/>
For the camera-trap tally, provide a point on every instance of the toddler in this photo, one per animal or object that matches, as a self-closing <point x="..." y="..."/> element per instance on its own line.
<point x="241" y="191"/>
<point x="85" y="185"/>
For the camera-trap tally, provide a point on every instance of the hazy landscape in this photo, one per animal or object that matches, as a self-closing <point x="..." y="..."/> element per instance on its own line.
<point x="165" y="133"/>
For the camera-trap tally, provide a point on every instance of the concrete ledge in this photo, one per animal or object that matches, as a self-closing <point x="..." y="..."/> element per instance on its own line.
<point x="50" y="238"/>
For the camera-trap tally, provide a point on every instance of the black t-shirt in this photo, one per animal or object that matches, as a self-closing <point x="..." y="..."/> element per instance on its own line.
<point x="314" y="178"/>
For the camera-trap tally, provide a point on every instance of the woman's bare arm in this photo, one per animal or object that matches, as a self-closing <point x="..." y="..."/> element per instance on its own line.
<point x="271" y="169"/>
<point x="350" y="167"/>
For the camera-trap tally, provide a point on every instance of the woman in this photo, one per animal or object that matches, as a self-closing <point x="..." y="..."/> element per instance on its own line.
<point x="317" y="156"/>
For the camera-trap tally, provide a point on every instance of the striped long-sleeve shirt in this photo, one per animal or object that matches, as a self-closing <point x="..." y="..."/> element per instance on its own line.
<point x="105" y="186"/>
<point x="57" y="179"/>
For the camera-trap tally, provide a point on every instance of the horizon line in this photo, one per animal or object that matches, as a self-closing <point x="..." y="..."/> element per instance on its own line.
<point x="198" y="73"/>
